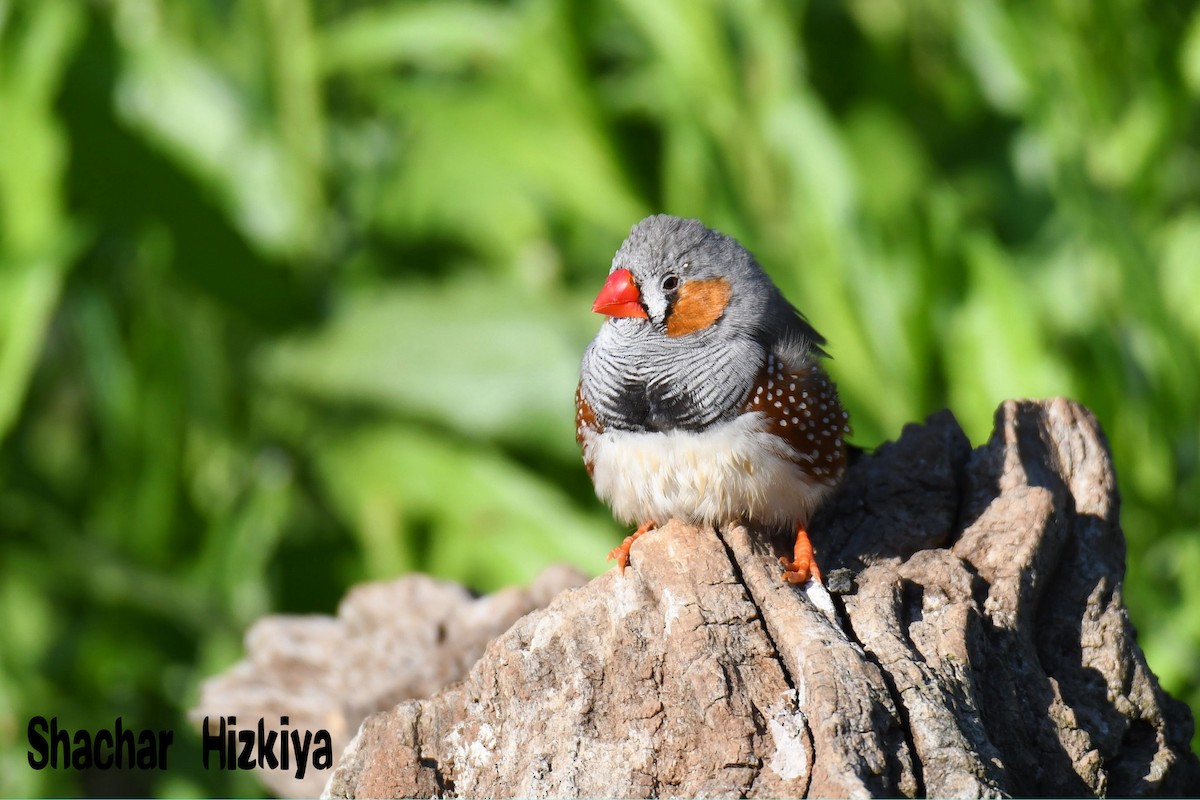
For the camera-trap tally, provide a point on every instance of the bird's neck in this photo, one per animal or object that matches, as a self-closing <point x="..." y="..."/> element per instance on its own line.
<point x="637" y="382"/>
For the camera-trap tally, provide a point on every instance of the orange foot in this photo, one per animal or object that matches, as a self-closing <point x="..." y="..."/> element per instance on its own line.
<point x="621" y="551"/>
<point x="803" y="565"/>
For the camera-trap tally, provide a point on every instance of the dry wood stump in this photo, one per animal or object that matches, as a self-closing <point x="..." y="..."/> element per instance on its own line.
<point x="976" y="645"/>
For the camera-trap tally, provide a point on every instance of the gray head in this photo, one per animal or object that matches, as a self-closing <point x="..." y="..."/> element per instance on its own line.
<point x="693" y="318"/>
<point x="682" y="279"/>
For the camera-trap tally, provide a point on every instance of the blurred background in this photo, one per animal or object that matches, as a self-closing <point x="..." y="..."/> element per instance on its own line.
<point x="293" y="294"/>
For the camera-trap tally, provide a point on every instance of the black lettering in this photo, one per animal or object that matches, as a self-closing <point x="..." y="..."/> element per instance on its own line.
<point x="285" y="750"/>
<point x="102" y="759"/>
<point x="301" y="752"/>
<point x="323" y="755"/>
<point x="165" y="738"/>
<point x="147" y="757"/>
<point x="231" y="744"/>
<point x="59" y="738"/>
<point x="126" y="755"/>
<point x="82" y="757"/>
<point x="39" y="748"/>
<point x="266" y="746"/>
<point x="213" y="742"/>
<point x="103" y="749"/>
<point x="246" y="759"/>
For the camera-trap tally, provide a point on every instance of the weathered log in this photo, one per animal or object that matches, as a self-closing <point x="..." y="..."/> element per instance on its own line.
<point x="977" y="646"/>
<point x="390" y="641"/>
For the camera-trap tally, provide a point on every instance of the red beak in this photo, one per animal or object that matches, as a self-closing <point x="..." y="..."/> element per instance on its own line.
<point x="619" y="297"/>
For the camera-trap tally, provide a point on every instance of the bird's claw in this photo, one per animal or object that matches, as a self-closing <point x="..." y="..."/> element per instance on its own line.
<point x="803" y="566"/>
<point x="621" y="551"/>
<point x="800" y="572"/>
<point x="621" y="554"/>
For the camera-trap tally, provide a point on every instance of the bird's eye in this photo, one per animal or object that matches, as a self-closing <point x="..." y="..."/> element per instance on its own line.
<point x="670" y="283"/>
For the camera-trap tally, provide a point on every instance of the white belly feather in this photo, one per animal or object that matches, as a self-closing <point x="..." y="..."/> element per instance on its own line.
<point x="734" y="471"/>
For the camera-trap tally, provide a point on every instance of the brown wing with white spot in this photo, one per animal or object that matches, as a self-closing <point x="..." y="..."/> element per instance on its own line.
<point x="585" y="424"/>
<point x="802" y="408"/>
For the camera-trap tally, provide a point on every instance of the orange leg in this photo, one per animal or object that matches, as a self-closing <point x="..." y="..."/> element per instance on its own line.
<point x="804" y="564"/>
<point x="621" y="551"/>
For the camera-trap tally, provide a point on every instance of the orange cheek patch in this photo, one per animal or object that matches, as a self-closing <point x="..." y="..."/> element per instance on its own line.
<point x="700" y="304"/>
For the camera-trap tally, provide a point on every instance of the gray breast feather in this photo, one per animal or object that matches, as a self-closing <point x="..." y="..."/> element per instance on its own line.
<point x="632" y="385"/>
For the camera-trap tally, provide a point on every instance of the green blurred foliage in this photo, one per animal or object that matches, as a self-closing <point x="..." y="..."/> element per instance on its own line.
<point x="292" y="294"/>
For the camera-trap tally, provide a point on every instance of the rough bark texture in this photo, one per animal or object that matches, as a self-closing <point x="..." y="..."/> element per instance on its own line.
<point x="977" y="646"/>
<point x="391" y="641"/>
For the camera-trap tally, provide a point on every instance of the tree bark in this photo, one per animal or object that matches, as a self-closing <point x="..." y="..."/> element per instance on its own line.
<point x="390" y="641"/>
<point x="975" y="645"/>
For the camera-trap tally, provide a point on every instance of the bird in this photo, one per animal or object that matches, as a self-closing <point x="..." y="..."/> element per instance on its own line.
<point x="702" y="397"/>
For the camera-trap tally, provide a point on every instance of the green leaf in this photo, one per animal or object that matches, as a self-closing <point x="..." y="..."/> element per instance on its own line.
<point x="194" y="113"/>
<point x="418" y="501"/>
<point x="490" y="360"/>
<point x="443" y="35"/>
<point x="37" y="238"/>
